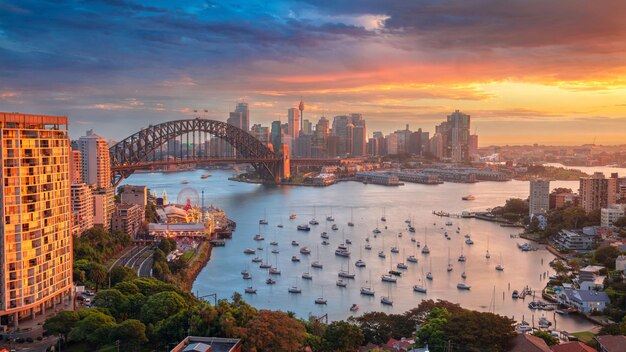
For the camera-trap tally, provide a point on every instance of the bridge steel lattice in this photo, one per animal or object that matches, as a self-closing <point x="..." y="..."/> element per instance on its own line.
<point x="141" y="149"/>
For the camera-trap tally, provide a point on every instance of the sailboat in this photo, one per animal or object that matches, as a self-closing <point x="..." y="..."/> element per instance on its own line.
<point x="429" y="275"/>
<point x="449" y="264"/>
<point x="461" y="257"/>
<point x="387" y="300"/>
<point x="264" y="220"/>
<point x="376" y="230"/>
<point x="425" y="249"/>
<point x="395" y="249"/>
<point x="391" y="276"/>
<point x="317" y="264"/>
<point x="381" y="254"/>
<point x="487" y="255"/>
<point x="313" y="221"/>
<point x="267" y="264"/>
<point x="401" y="265"/>
<point x="275" y="270"/>
<point x="346" y="274"/>
<point x="420" y="287"/>
<point x="367" y="290"/>
<point x="351" y="222"/>
<point x="330" y="217"/>
<point x="499" y="267"/>
<point x="295" y="288"/>
<point x="412" y="258"/>
<point x="383" y="218"/>
<point x="360" y="263"/>
<point x="250" y="290"/>
<point x="321" y="300"/>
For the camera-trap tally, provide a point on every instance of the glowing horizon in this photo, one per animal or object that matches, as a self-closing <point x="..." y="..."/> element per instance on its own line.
<point x="526" y="71"/>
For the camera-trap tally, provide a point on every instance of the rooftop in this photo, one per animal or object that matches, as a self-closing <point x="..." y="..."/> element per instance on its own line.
<point x="574" y="346"/>
<point x="529" y="343"/>
<point x="612" y="343"/>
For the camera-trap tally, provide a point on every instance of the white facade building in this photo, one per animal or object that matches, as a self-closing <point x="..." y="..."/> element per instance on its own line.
<point x="612" y="213"/>
<point x="96" y="160"/>
<point x="539" y="197"/>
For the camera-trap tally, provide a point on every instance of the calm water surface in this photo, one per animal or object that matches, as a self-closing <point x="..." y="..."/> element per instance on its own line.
<point x="247" y="203"/>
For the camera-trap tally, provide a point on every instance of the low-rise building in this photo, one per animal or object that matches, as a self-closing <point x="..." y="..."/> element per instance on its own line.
<point x="208" y="344"/>
<point x="127" y="218"/>
<point x="378" y="178"/>
<point x="324" y="179"/>
<point x="584" y="301"/>
<point x="572" y="240"/>
<point x="612" y="213"/>
<point x="134" y="195"/>
<point x="610" y="343"/>
<point x="574" y="346"/>
<point x="528" y="343"/>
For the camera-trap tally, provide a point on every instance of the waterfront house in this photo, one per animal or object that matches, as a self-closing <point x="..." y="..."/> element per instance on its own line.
<point x="528" y="343"/>
<point x="574" y="346"/>
<point x="610" y="343"/>
<point x="589" y="278"/>
<point x="572" y="241"/>
<point x="583" y="300"/>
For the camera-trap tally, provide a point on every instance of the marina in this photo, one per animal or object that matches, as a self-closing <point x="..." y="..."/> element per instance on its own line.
<point x="363" y="205"/>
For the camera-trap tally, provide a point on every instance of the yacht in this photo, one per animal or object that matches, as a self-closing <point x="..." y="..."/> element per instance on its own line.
<point x="388" y="278"/>
<point x="402" y="266"/>
<point x="419" y="288"/>
<point x="354" y="307"/>
<point x="325" y="243"/>
<point x="305" y="250"/>
<point x="273" y="243"/>
<point x="250" y="289"/>
<point x="295" y="243"/>
<point x="274" y="271"/>
<point x="462" y="286"/>
<point x="468" y="197"/>
<point x="341" y="283"/>
<point x="259" y="248"/>
<point x="342" y="251"/>
<point x="270" y="281"/>
<point x="515" y="294"/>
<point x="395" y="250"/>
<point x="381" y="254"/>
<point x="324" y="235"/>
<point x="249" y="251"/>
<point x="275" y="251"/>
<point x="411" y="259"/>
<point x="368" y="247"/>
<point x="346" y="273"/>
<point x="469" y="241"/>
<point x="307" y="276"/>
<point x="295" y="289"/>
<point x="259" y="238"/>
<point x="257" y="260"/>
<point x="303" y="227"/>
<point x="360" y="263"/>
<point x="205" y="176"/>
<point x="295" y="258"/>
<point x="334" y="227"/>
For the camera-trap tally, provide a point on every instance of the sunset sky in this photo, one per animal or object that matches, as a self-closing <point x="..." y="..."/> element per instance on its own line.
<point x="527" y="71"/>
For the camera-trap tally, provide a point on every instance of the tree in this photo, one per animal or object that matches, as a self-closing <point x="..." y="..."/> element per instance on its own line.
<point x="478" y="331"/>
<point x="62" y="323"/>
<point x="606" y="256"/>
<point x="131" y="332"/>
<point x="342" y="336"/>
<point x="547" y="337"/>
<point x="515" y="206"/>
<point x="161" y="306"/>
<point x="432" y="331"/>
<point x="375" y="326"/>
<point x="113" y="300"/>
<point x="573" y="217"/>
<point x="93" y="328"/>
<point x="274" y="331"/>
<point x="122" y="273"/>
<point x="621" y="222"/>
<point x="98" y="275"/>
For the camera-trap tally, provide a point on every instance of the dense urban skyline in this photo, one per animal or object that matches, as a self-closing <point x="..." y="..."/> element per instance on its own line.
<point x="523" y="71"/>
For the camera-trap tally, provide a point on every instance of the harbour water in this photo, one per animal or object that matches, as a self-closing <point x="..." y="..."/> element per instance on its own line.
<point x="248" y="203"/>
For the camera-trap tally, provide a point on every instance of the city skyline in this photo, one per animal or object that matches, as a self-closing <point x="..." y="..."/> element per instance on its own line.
<point x="522" y="72"/>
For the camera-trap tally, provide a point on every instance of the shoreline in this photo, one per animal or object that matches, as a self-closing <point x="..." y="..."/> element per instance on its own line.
<point x="201" y="260"/>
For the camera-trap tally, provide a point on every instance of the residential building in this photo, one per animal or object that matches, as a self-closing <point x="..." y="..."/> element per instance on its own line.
<point x="96" y="160"/>
<point x="597" y="192"/>
<point x="610" y="343"/>
<point x="455" y="132"/>
<point x="436" y="146"/>
<point x="571" y="240"/>
<point x="76" y="167"/>
<point x="208" y="344"/>
<point x="574" y="346"/>
<point x="561" y="199"/>
<point x="473" y="146"/>
<point x="539" y="197"/>
<point x="585" y="301"/>
<point x="612" y="213"/>
<point x="82" y="208"/>
<point x="134" y="195"/>
<point x="127" y="218"/>
<point x="528" y="343"/>
<point x="35" y="208"/>
<point x="103" y="207"/>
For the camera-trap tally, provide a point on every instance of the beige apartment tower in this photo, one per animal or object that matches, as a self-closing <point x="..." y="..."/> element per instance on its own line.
<point x="597" y="192"/>
<point x="35" y="241"/>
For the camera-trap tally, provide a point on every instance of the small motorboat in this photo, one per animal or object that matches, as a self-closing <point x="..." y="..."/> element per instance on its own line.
<point x="313" y="222"/>
<point x="263" y="222"/>
<point x="325" y="243"/>
<point x="273" y="243"/>
<point x="351" y="224"/>
<point x="381" y="254"/>
<point x="270" y="281"/>
<point x="307" y="276"/>
<point x="413" y="240"/>
<point x="429" y="275"/>
<point x="330" y="218"/>
<point x="250" y="289"/>
<point x="368" y="247"/>
<point x="461" y="258"/>
<point x="499" y="267"/>
<point x="295" y="289"/>
<point x="334" y="227"/>
<point x="395" y="250"/>
<point x="275" y="251"/>
<point x="249" y="251"/>
<point x="341" y="283"/>
<point x="469" y="241"/>
<point x="324" y="235"/>
<point x="354" y="307"/>
<point x="376" y="230"/>
<point x="265" y="266"/>
<point x="348" y="241"/>
<point x="295" y="259"/>
<point x="303" y="227"/>
<point x="515" y="294"/>
<point x="411" y="259"/>
<point x="257" y="260"/>
<point x="292" y="216"/>
<point x="295" y="243"/>
<point x="402" y="266"/>
<point x="280" y="226"/>
<point x="462" y="286"/>
<point x="317" y="265"/>
<point x="395" y="272"/>
<point x="463" y="276"/>
<point x="360" y="263"/>
<point x="205" y="176"/>
<point x="305" y="250"/>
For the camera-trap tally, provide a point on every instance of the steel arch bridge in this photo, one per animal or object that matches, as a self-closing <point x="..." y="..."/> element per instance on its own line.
<point x="140" y="149"/>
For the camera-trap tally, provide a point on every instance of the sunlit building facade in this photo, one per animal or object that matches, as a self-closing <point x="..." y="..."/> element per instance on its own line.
<point x="36" y="242"/>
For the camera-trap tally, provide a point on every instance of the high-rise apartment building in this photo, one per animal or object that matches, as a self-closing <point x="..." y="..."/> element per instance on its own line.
<point x="455" y="132"/>
<point x="127" y="218"/>
<point x="96" y="160"/>
<point x="134" y="195"/>
<point x="82" y="208"/>
<point x="539" y="197"/>
<point x="35" y="231"/>
<point x="473" y="145"/>
<point x="103" y="207"/>
<point x="293" y="122"/>
<point x="597" y="192"/>
<point x="76" y="166"/>
<point x="437" y="145"/>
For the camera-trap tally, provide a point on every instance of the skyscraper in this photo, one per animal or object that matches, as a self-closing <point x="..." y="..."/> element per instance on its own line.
<point x="293" y="121"/>
<point x="242" y="108"/>
<point x="276" y="136"/>
<point x="359" y="141"/>
<point x="35" y="241"/>
<point x="539" y="197"/>
<point x="76" y="166"/>
<point x="82" y="208"/>
<point x="455" y="133"/>
<point x="96" y="160"/>
<point x="597" y="192"/>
